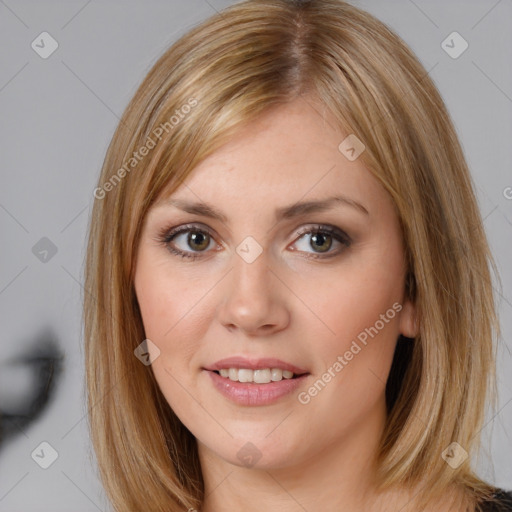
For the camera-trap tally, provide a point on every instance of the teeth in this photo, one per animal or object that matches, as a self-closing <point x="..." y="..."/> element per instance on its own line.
<point x="262" y="376"/>
<point x="245" y="375"/>
<point x="277" y="374"/>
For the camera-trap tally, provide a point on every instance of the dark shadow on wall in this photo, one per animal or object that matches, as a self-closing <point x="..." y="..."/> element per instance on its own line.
<point x="28" y="382"/>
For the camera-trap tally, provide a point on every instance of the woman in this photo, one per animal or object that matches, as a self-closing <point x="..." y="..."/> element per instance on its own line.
<point x="289" y="297"/>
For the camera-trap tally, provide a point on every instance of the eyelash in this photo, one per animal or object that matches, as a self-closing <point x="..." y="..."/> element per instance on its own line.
<point x="166" y="235"/>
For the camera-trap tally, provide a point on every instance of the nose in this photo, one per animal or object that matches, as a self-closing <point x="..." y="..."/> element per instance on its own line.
<point x="254" y="299"/>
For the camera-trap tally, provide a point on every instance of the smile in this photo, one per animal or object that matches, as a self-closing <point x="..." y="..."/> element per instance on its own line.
<point x="251" y="382"/>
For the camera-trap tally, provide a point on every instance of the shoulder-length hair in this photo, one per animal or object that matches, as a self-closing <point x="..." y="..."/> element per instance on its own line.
<point x="221" y="75"/>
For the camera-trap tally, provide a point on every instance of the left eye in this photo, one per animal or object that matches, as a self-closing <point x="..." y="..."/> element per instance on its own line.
<point x="321" y="240"/>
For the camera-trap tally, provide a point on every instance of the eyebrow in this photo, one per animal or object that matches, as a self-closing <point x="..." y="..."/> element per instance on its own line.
<point x="287" y="212"/>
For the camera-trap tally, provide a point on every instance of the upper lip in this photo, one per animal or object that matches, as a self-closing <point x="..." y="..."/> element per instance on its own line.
<point x="254" y="364"/>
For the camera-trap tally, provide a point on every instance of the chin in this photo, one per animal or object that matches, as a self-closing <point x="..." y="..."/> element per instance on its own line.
<point x="256" y="451"/>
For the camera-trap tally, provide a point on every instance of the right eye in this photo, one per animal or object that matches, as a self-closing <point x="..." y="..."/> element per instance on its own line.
<point x="192" y="239"/>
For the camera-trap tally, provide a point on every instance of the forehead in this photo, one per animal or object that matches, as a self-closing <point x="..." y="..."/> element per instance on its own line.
<point x="289" y="154"/>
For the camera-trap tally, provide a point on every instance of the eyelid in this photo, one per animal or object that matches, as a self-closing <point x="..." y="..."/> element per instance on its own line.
<point x="326" y="228"/>
<point x="169" y="232"/>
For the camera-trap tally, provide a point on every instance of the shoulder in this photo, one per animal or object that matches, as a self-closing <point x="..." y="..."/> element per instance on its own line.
<point x="502" y="502"/>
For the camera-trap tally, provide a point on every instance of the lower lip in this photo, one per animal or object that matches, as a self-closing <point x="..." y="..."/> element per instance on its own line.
<point x="249" y="393"/>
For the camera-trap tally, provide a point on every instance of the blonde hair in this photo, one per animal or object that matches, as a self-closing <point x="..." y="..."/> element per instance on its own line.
<point x="228" y="71"/>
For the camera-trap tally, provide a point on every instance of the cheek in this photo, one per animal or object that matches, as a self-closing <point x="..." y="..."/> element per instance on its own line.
<point x="353" y="364"/>
<point x="361" y="349"/>
<point x="358" y="307"/>
<point x="174" y="317"/>
<point x="172" y="311"/>
<point x="345" y="302"/>
<point x="362" y="310"/>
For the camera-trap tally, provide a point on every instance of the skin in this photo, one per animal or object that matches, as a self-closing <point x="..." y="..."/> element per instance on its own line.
<point x="314" y="456"/>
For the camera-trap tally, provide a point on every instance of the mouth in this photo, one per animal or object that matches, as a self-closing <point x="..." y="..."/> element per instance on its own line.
<point x="255" y="382"/>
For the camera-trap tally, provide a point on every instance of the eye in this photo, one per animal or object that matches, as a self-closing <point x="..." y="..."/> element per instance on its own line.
<point x="322" y="239"/>
<point x="185" y="241"/>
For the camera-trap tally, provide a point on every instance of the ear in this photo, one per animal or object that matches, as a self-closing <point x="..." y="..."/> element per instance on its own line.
<point x="408" y="323"/>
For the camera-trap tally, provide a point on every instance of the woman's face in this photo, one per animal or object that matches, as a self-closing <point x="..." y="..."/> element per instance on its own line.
<point x="273" y="275"/>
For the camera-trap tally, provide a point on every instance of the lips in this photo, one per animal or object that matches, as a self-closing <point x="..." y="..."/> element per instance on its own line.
<point x="286" y="378"/>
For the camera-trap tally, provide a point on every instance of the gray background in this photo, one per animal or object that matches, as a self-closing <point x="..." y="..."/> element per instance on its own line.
<point x="58" y="115"/>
